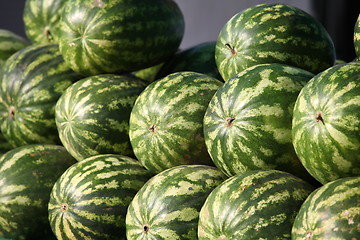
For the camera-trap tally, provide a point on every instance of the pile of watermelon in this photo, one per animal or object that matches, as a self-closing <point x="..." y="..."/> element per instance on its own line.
<point x="110" y="131"/>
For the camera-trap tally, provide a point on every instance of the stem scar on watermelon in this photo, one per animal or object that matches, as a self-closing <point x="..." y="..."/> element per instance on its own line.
<point x="153" y="128"/>
<point x="233" y="51"/>
<point x="229" y="121"/>
<point x="12" y="112"/>
<point x="146" y="228"/>
<point x="319" y="117"/>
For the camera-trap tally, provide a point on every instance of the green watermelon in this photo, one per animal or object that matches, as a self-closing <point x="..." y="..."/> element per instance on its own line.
<point x="247" y="125"/>
<point x="168" y="205"/>
<point x="116" y="36"/>
<point x="199" y="58"/>
<point x="326" y="126"/>
<point x="258" y="204"/>
<point x="273" y="33"/>
<point x="357" y="37"/>
<point x="165" y="126"/>
<point x="31" y="82"/>
<point x="90" y="199"/>
<point x="148" y="74"/>
<point x="92" y="115"/>
<point x="42" y="20"/>
<point x="330" y="212"/>
<point x="10" y="43"/>
<point x="27" y="175"/>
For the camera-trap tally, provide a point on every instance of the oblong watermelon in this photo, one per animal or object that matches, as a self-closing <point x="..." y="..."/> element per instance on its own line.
<point x="27" y="175"/>
<point x="166" y="122"/>
<point x="31" y="82"/>
<point x="330" y="212"/>
<point x="326" y="126"/>
<point x="168" y="205"/>
<point x="273" y="33"/>
<point x="116" y="36"/>
<point x="90" y="199"/>
<point x="92" y="115"/>
<point x="247" y="125"/>
<point x="257" y="204"/>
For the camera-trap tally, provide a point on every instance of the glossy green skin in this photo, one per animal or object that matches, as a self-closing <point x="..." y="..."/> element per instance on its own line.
<point x="330" y="212"/>
<point x="247" y="125"/>
<point x="90" y="199"/>
<point x="10" y="43"/>
<point x="168" y="205"/>
<point x="42" y="20"/>
<point x="32" y="81"/>
<point x="258" y="204"/>
<point x="357" y="37"/>
<point x="117" y="36"/>
<point x="92" y="115"/>
<point x="273" y="33"/>
<point x="166" y="122"/>
<point x="199" y="58"/>
<point x="27" y="175"/>
<point x="325" y="125"/>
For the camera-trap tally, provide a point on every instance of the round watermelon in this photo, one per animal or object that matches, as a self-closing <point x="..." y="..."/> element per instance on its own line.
<point x="42" y="20"/>
<point x="116" y="36"/>
<point x="31" y="82"/>
<point x="10" y="43"/>
<point x="325" y="125"/>
<point x="166" y="122"/>
<point x="273" y="33"/>
<point x="27" y="175"/>
<point x="90" y="199"/>
<point x="330" y="212"/>
<point x="92" y="115"/>
<point x="247" y="125"/>
<point x="168" y="205"/>
<point x="258" y="204"/>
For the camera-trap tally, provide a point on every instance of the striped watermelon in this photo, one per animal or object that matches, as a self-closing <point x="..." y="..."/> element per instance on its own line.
<point x="258" y="204"/>
<point x="268" y="33"/>
<point x="326" y="126"/>
<point x="168" y="205"/>
<point x="247" y="125"/>
<point x="330" y="212"/>
<point x="32" y="81"/>
<point x="166" y="126"/>
<point x="42" y="20"/>
<point x="92" y="116"/>
<point x="357" y="37"/>
<point x="10" y="43"/>
<point x="199" y="58"/>
<point x="90" y="200"/>
<point x="27" y="175"/>
<point x="116" y="36"/>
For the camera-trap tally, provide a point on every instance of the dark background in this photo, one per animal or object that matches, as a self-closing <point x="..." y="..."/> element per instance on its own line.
<point x="205" y="18"/>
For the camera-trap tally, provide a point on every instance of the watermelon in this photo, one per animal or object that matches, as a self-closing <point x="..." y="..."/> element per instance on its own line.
<point x="92" y="115"/>
<point x="273" y="33"/>
<point x="168" y="205"/>
<point x="10" y="43"/>
<point x="165" y="126"/>
<point x="247" y="125"/>
<point x="198" y="58"/>
<point x="326" y="126"/>
<point x="148" y="74"/>
<point x="4" y="145"/>
<point x="116" y="36"/>
<point x="90" y="199"/>
<point x="357" y="37"/>
<point x="257" y="204"/>
<point x="330" y="212"/>
<point x="27" y="174"/>
<point x="31" y="82"/>
<point x="41" y="20"/>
